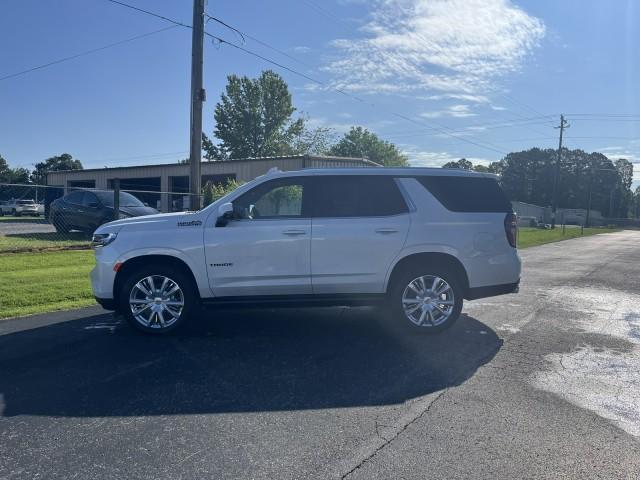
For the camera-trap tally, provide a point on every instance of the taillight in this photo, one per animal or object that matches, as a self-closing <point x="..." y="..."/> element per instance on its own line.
<point x="511" y="229"/>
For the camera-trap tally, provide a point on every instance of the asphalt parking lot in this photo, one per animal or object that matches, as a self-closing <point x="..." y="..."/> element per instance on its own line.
<point x="542" y="384"/>
<point x="25" y="225"/>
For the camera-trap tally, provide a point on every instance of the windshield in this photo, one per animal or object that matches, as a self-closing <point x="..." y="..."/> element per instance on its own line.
<point x="126" y="199"/>
<point x="25" y="202"/>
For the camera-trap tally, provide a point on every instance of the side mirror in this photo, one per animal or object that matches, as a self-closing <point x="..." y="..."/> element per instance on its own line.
<point x="93" y="205"/>
<point x="225" y="213"/>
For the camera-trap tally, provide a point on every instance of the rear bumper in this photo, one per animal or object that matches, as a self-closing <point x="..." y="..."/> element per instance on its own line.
<point x="106" y="303"/>
<point x="492" y="290"/>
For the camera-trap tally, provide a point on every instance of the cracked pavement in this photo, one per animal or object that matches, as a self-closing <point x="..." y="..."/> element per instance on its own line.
<point x="542" y="384"/>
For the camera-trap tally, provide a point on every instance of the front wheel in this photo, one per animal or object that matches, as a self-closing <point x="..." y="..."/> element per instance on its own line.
<point x="60" y="226"/>
<point x="426" y="300"/>
<point x="158" y="299"/>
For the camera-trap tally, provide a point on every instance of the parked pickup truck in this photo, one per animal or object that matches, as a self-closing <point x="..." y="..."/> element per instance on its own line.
<point x="20" y="207"/>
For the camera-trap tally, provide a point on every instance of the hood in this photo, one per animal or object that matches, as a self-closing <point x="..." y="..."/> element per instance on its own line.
<point x="157" y="220"/>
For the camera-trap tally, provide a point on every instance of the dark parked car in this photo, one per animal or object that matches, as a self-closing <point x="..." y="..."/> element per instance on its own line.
<point x="86" y="210"/>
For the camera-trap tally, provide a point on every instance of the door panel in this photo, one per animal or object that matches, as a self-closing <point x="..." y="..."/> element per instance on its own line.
<point x="352" y="255"/>
<point x="265" y="248"/>
<point x="259" y="257"/>
<point x="360" y="223"/>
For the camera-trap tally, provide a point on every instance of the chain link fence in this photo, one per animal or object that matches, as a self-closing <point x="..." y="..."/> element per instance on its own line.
<point x="41" y="218"/>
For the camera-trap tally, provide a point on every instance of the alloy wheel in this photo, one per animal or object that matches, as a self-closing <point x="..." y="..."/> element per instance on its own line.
<point x="428" y="301"/>
<point x="156" y="302"/>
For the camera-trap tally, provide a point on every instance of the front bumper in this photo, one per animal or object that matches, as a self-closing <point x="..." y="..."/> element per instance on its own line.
<point x="102" y="276"/>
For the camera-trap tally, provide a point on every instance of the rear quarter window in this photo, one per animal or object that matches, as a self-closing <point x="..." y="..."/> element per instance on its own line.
<point x="467" y="194"/>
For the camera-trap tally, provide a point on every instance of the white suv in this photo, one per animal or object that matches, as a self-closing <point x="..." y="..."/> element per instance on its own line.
<point x="416" y="241"/>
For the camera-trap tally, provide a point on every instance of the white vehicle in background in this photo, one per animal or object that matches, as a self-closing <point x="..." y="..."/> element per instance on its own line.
<point x="20" y="207"/>
<point x="414" y="241"/>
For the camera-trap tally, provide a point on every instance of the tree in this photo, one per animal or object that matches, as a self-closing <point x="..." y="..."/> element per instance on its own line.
<point x="528" y="176"/>
<point x="317" y="141"/>
<point x="211" y="151"/>
<point x="463" y="163"/>
<point x="52" y="164"/>
<point x="5" y="171"/>
<point x="253" y="118"/>
<point x="360" y="142"/>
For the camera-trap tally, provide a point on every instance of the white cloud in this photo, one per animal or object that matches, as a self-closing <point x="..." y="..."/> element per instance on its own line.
<point x="301" y="49"/>
<point x="457" y="96"/>
<point x="456" y="111"/>
<point x="425" y="158"/>
<point x="454" y="46"/>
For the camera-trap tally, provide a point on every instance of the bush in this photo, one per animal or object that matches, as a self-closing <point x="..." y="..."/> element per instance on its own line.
<point x="213" y="191"/>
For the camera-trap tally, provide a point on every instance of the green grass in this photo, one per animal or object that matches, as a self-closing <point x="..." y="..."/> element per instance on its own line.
<point x="44" y="282"/>
<point x="530" y="237"/>
<point x="29" y="242"/>
<point x="25" y="219"/>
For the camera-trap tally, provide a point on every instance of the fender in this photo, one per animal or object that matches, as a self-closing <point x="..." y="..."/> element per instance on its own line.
<point x="198" y="268"/>
<point x="423" y="248"/>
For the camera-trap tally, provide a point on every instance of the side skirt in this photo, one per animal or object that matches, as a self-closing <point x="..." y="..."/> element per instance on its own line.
<point x="295" y="301"/>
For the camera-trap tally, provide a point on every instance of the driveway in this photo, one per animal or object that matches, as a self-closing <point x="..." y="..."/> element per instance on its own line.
<point x="542" y="384"/>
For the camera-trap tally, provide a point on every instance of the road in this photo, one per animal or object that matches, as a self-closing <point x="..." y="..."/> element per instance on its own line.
<point x="542" y="384"/>
<point x="25" y="226"/>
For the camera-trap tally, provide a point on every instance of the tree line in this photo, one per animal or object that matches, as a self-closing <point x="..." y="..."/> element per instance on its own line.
<point x="255" y="117"/>
<point x="528" y="176"/>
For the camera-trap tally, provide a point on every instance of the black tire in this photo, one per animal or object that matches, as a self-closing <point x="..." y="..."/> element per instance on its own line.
<point x="176" y="275"/>
<point x="60" y="226"/>
<point x="14" y="212"/>
<point x="396" y="313"/>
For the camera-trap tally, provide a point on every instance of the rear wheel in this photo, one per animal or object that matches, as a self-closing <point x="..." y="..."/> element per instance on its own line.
<point x="426" y="300"/>
<point x="158" y="299"/>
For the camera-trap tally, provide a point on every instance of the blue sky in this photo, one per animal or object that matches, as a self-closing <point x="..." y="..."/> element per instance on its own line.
<point x="474" y="78"/>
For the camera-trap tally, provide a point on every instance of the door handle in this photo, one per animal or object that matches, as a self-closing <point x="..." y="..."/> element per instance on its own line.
<point x="293" y="232"/>
<point x="386" y="231"/>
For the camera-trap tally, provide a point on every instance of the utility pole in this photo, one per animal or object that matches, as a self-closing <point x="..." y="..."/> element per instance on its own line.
<point x="563" y="124"/>
<point x="197" y="99"/>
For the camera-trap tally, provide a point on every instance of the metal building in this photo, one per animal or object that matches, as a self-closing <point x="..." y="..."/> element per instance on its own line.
<point x="171" y="181"/>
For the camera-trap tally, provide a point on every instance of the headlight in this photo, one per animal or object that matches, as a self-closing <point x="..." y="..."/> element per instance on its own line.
<point x="102" y="239"/>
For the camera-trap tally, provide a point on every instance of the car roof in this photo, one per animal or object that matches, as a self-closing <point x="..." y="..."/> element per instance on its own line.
<point x="388" y="171"/>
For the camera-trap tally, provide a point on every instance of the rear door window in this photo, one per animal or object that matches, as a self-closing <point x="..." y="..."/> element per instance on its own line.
<point x="338" y="196"/>
<point x="467" y="194"/>
<point x="75" y="198"/>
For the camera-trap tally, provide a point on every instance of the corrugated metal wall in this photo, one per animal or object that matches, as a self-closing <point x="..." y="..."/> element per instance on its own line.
<point x="244" y="170"/>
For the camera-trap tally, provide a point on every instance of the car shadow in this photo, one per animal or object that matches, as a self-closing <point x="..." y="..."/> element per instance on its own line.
<point x="237" y="361"/>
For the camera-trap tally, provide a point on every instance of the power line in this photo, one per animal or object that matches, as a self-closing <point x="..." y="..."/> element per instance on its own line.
<point x="441" y="128"/>
<point x="264" y="44"/>
<point x="87" y="52"/>
<point x="220" y="40"/>
<point x="157" y="15"/>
